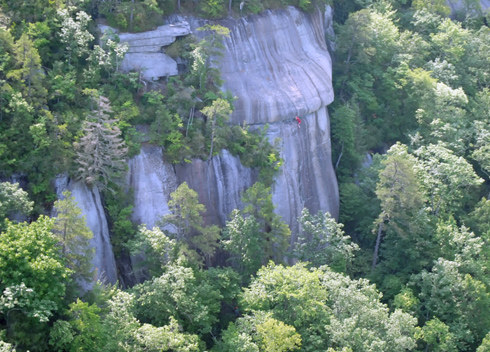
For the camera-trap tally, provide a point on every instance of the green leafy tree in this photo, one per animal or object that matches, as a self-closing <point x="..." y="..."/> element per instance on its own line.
<point x="89" y="334"/>
<point x="485" y="345"/>
<point x="28" y="70"/>
<point x="13" y="198"/>
<point x="295" y="296"/>
<point x="33" y="284"/>
<point x="178" y="293"/>
<point x="258" y="203"/>
<point x="243" y="239"/>
<point x="399" y="191"/>
<point x="218" y="113"/>
<point x="204" y="56"/>
<point x="186" y="223"/>
<point x="436" y="6"/>
<point x="360" y="320"/>
<point x="157" y="249"/>
<point x="322" y="241"/>
<point x="456" y="299"/>
<point x="126" y="333"/>
<point x="259" y="332"/>
<point x="449" y="179"/>
<point x="74" y="236"/>
<point x="74" y="33"/>
<point x="436" y="336"/>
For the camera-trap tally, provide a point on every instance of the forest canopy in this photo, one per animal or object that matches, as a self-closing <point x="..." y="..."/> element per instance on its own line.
<point x="404" y="268"/>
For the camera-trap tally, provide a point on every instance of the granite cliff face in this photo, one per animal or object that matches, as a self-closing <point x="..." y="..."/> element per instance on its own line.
<point x="89" y="201"/>
<point x="278" y="66"/>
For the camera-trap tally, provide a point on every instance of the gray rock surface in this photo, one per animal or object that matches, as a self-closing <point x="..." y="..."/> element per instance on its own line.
<point x="154" y="41"/>
<point x="458" y="5"/>
<point x="90" y="203"/>
<point x="278" y="65"/>
<point x="219" y="183"/>
<point x="146" y="50"/>
<point x="152" y="65"/>
<point x="152" y="181"/>
<point x="306" y="178"/>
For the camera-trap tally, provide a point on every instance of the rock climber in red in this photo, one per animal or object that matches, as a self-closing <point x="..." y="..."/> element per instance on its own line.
<point x="299" y="121"/>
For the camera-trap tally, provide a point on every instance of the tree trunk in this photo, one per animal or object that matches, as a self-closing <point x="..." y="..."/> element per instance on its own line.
<point x="378" y="241"/>
<point x="131" y="16"/>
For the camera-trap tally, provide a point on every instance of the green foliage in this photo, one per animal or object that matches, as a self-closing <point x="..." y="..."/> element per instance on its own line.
<point x="455" y="298"/>
<point x="127" y="333"/>
<point x="13" y="198"/>
<point x="187" y="224"/>
<point x="258" y="203"/>
<point x="403" y="224"/>
<point x="34" y="280"/>
<point x="213" y="8"/>
<point x="322" y="241"/>
<point x="87" y="327"/>
<point x="294" y="296"/>
<point x="156" y="247"/>
<point x="360" y="321"/>
<point x="485" y="345"/>
<point x="243" y="239"/>
<point x="436" y="336"/>
<point x="178" y="293"/>
<point x="131" y="15"/>
<point x="119" y="205"/>
<point x="437" y="6"/>
<point x="74" y="237"/>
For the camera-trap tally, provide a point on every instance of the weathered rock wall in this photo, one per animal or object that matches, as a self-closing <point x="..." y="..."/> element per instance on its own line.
<point x="89" y="201"/>
<point x="219" y="182"/>
<point x="278" y="66"/>
<point x="147" y="50"/>
<point x="152" y="181"/>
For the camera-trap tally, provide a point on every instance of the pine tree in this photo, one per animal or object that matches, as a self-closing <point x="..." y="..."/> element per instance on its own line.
<point x="101" y="152"/>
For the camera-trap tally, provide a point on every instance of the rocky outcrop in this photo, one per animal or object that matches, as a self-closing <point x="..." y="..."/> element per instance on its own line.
<point x="219" y="182"/>
<point x="147" y="50"/>
<point x="278" y="65"/>
<point x="458" y="5"/>
<point x="306" y="178"/>
<point x="152" y="181"/>
<point x="89" y="201"/>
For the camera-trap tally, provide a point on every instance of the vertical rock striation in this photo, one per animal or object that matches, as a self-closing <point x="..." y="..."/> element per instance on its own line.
<point x="219" y="182"/>
<point x="278" y="66"/>
<point x="89" y="201"/>
<point x="152" y="181"/>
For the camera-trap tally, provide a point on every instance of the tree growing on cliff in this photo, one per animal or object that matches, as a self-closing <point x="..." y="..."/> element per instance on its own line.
<point x="100" y="152"/>
<point x="186" y="225"/>
<point x="218" y="113"/>
<point x="13" y="198"/>
<point x="74" y="236"/>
